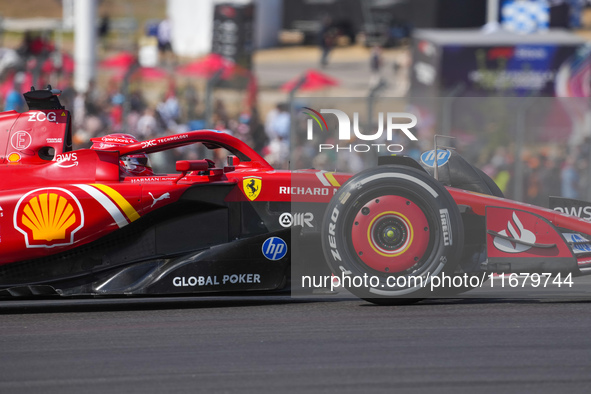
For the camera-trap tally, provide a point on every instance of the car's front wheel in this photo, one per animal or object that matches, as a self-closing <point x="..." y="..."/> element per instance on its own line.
<point x="388" y="231"/>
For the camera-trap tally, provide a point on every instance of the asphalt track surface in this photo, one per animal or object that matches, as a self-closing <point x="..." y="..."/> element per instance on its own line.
<point x="281" y="344"/>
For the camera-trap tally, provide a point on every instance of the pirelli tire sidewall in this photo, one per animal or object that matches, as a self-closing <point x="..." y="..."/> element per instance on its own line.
<point x="423" y="192"/>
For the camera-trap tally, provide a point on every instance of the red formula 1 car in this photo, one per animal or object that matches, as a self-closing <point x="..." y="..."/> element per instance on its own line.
<point x="83" y="223"/>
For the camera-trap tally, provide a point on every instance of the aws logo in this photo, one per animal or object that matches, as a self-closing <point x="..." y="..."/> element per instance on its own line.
<point x="48" y="217"/>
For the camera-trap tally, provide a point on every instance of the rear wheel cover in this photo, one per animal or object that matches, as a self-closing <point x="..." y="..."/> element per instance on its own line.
<point x="393" y="223"/>
<point x="390" y="233"/>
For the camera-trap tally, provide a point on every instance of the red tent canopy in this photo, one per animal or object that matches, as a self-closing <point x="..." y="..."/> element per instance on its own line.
<point x="207" y="66"/>
<point x="66" y="67"/>
<point x="313" y="80"/>
<point x="121" y="60"/>
<point x="145" y="73"/>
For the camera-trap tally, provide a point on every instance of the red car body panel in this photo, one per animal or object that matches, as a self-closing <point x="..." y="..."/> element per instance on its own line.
<point x="100" y="200"/>
<point x="53" y="199"/>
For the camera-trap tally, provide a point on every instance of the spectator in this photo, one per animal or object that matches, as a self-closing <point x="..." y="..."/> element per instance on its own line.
<point x="375" y="64"/>
<point x="164" y="36"/>
<point x="534" y="181"/>
<point x="569" y="177"/>
<point x="92" y="100"/>
<point x="32" y="45"/>
<point x="257" y="132"/>
<point x="271" y="134"/>
<point x="327" y="38"/>
<point x="104" y="26"/>
<point x="169" y="110"/>
<point x="278" y="123"/>
<point x="78" y="110"/>
<point x="191" y="100"/>
<point x="116" y="113"/>
<point x="551" y="178"/>
<point x="14" y="99"/>
<point x="277" y="153"/>
<point x="68" y="94"/>
<point x="282" y="122"/>
<point x="136" y="101"/>
<point x="502" y="179"/>
<point x="147" y="127"/>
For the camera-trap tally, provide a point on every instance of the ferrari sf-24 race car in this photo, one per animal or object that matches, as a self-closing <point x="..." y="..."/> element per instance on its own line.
<point x="99" y="222"/>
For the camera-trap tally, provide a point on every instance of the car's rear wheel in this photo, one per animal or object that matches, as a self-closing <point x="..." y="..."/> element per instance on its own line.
<point x="388" y="231"/>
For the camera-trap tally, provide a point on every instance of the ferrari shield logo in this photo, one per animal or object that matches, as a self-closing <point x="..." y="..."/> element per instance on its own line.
<point x="252" y="187"/>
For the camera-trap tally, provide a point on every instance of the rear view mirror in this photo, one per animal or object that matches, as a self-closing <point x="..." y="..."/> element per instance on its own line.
<point x="190" y="165"/>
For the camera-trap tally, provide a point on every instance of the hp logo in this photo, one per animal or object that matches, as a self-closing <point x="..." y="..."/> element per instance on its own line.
<point x="274" y="248"/>
<point x="442" y="157"/>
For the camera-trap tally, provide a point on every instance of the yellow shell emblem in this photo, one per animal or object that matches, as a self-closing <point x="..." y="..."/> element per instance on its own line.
<point x="252" y="187"/>
<point x="14" y="157"/>
<point x="48" y="216"/>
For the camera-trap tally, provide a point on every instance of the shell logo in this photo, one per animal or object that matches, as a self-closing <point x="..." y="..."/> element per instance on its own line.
<point x="14" y="157"/>
<point x="48" y="217"/>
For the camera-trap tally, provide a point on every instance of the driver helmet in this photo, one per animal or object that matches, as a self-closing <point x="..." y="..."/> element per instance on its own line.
<point x="131" y="165"/>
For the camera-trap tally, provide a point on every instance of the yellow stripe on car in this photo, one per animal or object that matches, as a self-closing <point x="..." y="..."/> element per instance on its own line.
<point x="125" y="206"/>
<point x="332" y="179"/>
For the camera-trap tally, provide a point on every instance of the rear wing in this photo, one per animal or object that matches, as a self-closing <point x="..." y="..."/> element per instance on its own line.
<point x="38" y="135"/>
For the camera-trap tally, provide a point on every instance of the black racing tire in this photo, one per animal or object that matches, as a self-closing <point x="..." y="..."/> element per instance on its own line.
<point x="415" y="234"/>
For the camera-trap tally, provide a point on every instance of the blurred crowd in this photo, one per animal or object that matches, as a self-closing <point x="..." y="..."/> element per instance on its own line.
<point x="98" y="113"/>
<point x="547" y="170"/>
<point x="116" y="108"/>
<point x="111" y="108"/>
